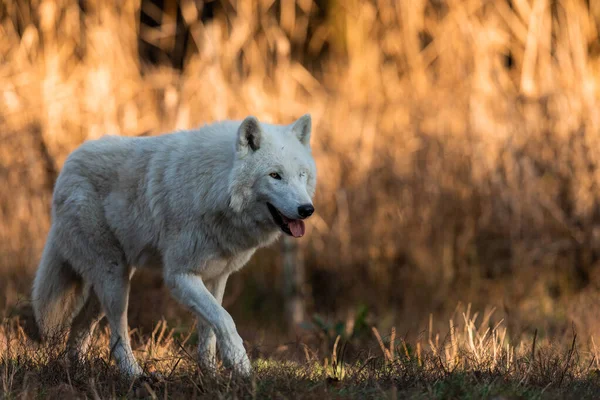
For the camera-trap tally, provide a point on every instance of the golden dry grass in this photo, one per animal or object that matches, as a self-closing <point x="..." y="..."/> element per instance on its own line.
<point x="456" y="141"/>
<point x="471" y="359"/>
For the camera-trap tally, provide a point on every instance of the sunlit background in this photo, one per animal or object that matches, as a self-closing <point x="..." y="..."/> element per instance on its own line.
<point x="457" y="145"/>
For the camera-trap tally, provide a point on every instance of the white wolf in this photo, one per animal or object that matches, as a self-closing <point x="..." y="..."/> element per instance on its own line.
<point x="195" y="203"/>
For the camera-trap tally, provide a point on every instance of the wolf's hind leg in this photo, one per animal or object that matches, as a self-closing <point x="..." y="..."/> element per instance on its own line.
<point x="83" y="326"/>
<point x="113" y="294"/>
<point x="97" y="256"/>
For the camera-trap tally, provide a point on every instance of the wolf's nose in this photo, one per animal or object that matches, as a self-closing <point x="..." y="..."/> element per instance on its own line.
<point x="305" y="210"/>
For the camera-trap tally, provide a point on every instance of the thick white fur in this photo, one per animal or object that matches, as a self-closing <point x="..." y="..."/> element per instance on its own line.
<point x="192" y="203"/>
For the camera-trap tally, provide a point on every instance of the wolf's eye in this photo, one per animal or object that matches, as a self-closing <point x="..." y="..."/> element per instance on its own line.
<point x="275" y="175"/>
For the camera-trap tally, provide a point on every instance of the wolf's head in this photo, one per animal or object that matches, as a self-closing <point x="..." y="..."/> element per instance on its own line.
<point x="274" y="174"/>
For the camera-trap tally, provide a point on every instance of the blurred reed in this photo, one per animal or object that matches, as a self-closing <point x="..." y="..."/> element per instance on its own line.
<point x="456" y="141"/>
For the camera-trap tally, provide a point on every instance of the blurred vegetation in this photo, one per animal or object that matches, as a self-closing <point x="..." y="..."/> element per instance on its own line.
<point x="457" y="142"/>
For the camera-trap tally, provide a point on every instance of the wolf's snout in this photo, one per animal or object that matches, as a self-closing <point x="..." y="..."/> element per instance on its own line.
<point x="306" y="210"/>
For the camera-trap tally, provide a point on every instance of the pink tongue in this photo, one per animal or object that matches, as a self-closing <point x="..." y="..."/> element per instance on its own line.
<point x="296" y="227"/>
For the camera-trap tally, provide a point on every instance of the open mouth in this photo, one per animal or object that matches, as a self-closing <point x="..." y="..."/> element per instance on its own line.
<point x="293" y="227"/>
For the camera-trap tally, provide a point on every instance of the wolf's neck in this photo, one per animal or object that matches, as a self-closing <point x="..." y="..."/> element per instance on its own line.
<point x="241" y="230"/>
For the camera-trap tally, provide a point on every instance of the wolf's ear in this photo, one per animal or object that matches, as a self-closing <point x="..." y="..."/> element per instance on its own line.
<point x="302" y="129"/>
<point x="249" y="135"/>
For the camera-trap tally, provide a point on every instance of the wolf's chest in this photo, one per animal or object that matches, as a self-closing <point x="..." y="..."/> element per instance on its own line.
<point x="216" y="267"/>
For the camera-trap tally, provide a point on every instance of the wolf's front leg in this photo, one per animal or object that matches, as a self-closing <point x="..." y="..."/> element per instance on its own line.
<point x="189" y="289"/>
<point x="207" y="341"/>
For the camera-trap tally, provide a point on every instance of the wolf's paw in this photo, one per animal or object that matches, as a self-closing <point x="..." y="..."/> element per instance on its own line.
<point x="132" y="371"/>
<point x="207" y="364"/>
<point x="235" y="357"/>
<point x="207" y="356"/>
<point x="244" y="367"/>
<point x="241" y="366"/>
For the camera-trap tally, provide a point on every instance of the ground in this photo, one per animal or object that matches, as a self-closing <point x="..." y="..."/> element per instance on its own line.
<point x="472" y="363"/>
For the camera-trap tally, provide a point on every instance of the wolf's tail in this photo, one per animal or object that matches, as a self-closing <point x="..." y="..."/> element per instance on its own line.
<point x="57" y="293"/>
